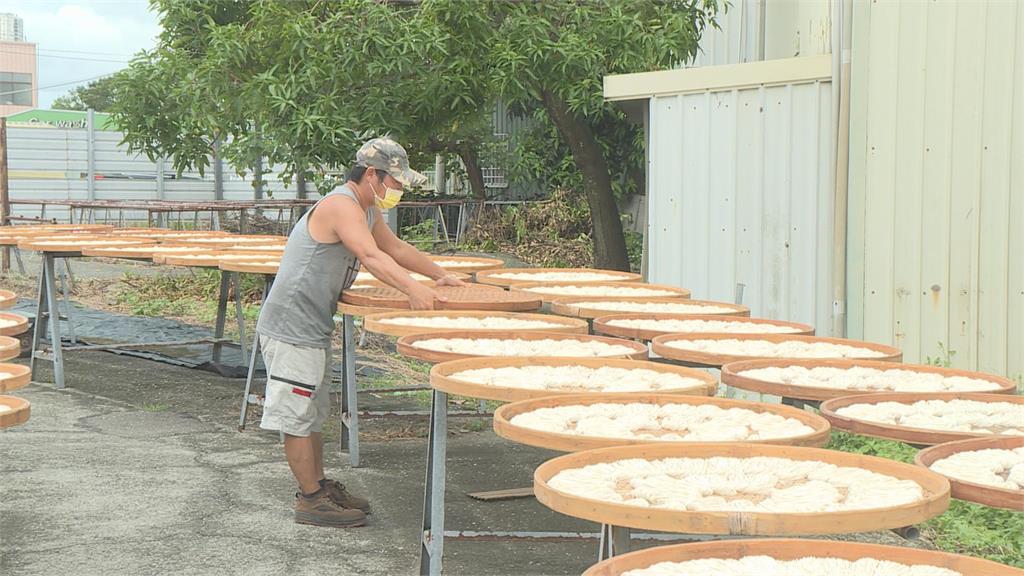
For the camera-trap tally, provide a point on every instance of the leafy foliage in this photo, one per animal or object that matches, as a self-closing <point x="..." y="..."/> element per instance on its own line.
<point x="98" y="95"/>
<point x="303" y="82"/>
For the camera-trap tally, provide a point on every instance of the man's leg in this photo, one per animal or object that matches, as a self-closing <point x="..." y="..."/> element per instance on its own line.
<point x="305" y="461"/>
<point x="294" y="390"/>
<point x="318" y="453"/>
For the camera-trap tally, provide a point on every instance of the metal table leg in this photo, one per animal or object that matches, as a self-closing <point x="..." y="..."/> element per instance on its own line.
<point x="350" y="399"/>
<point x="614" y="541"/>
<point x="222" y="305"/>
<point x="248" y="380"/>
<point x="432" y="539"/>
<point x="17" y="257"/>
<point x="65" y="288"/>
<point x="268" y="281"/>
<point x="239" y="314"/>
<point x="48" y="319"/>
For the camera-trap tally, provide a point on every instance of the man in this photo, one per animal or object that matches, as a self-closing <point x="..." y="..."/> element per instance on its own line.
<point x="325" y="250"/>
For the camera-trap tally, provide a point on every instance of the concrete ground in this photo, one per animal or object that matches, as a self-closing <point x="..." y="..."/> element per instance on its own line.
<point x="115" y="476"/>
<point x="138" y="469"/>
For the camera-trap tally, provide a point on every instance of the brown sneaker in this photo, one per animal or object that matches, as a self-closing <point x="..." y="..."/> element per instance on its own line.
<point x="320" y="510"/>
<point x="342" y="498"/>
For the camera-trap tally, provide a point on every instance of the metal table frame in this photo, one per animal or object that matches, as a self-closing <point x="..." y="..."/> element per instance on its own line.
<point x="48" y="320"/>
<point x="612" y="540"/>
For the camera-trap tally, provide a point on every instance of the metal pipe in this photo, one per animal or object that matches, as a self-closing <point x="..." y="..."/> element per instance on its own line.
<point x="90" y="142"/>
<point x="841" y="43"/>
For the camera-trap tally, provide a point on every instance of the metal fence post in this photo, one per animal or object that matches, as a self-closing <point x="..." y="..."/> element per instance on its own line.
<point x="160" y="189"/>
<point x="90" y="143"/>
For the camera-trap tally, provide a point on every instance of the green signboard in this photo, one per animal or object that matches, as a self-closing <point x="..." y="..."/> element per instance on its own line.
<point x="61" y="119"/>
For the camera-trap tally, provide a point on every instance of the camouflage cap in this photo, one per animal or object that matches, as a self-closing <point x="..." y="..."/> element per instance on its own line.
<point x="387" y="155"/>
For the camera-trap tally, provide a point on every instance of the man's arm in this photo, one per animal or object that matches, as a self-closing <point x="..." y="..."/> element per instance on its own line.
<point x="349" y="223"/>
<point x="407" y="256"/>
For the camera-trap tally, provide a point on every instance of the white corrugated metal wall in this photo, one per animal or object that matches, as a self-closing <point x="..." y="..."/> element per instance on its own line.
<point x="936" y="241"/>
<point x="52" y="163"/>
<point x="739" y="194"/>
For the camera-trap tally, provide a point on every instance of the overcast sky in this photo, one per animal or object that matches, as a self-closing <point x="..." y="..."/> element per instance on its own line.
<point x="80" y="40"/>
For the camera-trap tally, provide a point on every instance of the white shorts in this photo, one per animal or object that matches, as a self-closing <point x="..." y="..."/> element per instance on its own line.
<point x="298" y="397"/>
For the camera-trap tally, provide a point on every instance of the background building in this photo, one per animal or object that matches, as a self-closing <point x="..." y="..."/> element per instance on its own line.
<point x="12" y="28"/>
<point x="19" y="89"/>
<point x="845" y="164"/>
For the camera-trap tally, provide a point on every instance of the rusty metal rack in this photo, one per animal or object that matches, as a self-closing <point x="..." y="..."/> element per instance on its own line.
<point x="161" y="213"/>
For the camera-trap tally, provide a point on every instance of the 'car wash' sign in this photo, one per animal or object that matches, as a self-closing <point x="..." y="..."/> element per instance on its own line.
<point x="60" y="119"/>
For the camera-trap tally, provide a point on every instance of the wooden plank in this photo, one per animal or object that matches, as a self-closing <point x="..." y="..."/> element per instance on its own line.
<point x="907" y="191"/>
<point x="881" y="169"/>
<point x="507" y="494"/>
<point x="936" y="290"/>
<point x="994" y="202"/>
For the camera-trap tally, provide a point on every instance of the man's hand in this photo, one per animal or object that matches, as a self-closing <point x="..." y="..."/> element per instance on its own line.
<point x="450" y="280"/>
<point x="422" y="298"/>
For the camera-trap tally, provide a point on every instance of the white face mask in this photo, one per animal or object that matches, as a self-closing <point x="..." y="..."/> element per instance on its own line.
<point x="390" y="199"/>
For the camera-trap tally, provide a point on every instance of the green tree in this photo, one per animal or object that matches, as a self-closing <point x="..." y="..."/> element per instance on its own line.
<point x="98" y="95"/>
<point x="555" y="54"/>
<point x="303" y="82"/>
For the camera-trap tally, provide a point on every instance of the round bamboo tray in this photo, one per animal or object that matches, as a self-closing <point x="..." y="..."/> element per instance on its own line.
<point x="659" y="346"/>
<point x="919" y="436"/>
<point x="584" y="307"/>
<point x="470" y="297"/>
<point x="602" y="325"/>
<point x="532" y="287"/>
<point x="146" y="252"/>
<point x="25" y="231"/>
<point x="9" y="348"/>
<point x="504" y="427"/>
<point x="367" y="279"/>
<point x="794" y="549"/>
<point x="493" y="277"/>
<point x="362" y="311"/>
<point x="732" y="374"/>
<point x="7" y="299"/>
<point x="406" y="347"/>
<point x="221" y="242"/>
<point x="167" y="233"/>
<point x="211" y="258"/>
<point x="441" y="377"/>
<point x="972" y="491"/>
<point x="20" y="326"/>
<point x="270" y="247"/>
<point x="466" y="264"/>
<point x="19" y="377"/>
<point x="18" y="413"/>
<point x="375" y="323"/>
<point x="266" y="267"/>
<point x="77" y="245"/>
<point x="935" y="488"/>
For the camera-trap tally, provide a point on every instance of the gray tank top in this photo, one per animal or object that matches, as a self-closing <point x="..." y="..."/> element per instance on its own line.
<point x="303" y="300"/>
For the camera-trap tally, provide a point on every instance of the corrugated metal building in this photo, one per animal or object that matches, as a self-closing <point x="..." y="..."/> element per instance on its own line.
<point x="916" y="241"/>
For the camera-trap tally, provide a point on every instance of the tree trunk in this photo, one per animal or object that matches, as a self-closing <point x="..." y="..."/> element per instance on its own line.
<point x="609" y="242"/>
<point x="471" y="160"/>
